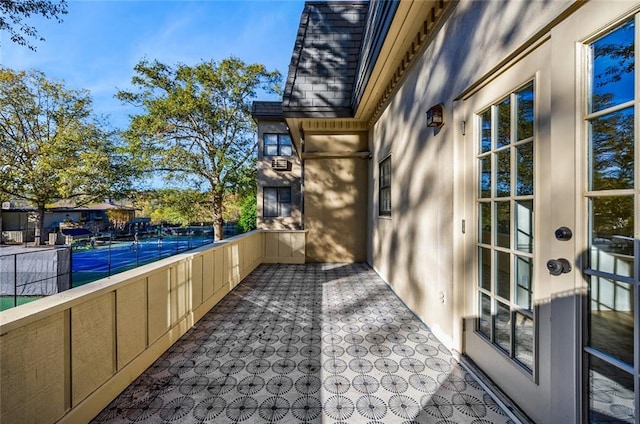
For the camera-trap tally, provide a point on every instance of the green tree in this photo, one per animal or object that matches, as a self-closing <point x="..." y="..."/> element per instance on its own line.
<point x="245" y="187"/>
<point x="13" y="13"/>
<point x="175" y="206"/>
<point x="248" y="214"/>
<point x="52" y="147"/>
<point x="196" y="125"/>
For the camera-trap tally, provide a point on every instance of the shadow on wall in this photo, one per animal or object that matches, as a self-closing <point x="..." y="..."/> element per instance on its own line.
<point x="335" y="210"/>
<point x="414" y="249"/>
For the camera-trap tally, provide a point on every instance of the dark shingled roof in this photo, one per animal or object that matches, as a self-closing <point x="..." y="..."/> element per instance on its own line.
<point x="325" y="60"/>
<point x="266" y="110"/>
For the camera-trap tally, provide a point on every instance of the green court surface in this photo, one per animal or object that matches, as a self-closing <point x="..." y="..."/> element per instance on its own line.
<point x="7" y="302"/>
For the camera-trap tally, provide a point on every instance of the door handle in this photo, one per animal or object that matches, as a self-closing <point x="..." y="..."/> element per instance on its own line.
<point x="558" y="266"/>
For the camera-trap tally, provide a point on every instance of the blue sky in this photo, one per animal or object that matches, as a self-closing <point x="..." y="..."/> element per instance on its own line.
<point x="99" y="42"/>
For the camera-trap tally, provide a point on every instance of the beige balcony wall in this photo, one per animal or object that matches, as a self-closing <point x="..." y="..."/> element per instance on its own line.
<point x="279" y="245"/>
<point x="34" y="363"/>
<point x="131" y="321"/>
<point x="65" y="357"/>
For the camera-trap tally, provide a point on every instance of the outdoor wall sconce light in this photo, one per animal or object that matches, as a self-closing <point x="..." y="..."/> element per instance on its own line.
<point x="435" y="116"/>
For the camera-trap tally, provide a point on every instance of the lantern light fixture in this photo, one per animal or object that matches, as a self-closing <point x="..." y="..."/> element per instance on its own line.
<point x="435" y="116"/>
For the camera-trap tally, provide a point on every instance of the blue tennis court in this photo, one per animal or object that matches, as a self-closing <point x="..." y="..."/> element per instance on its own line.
<point x="114" y="257"/>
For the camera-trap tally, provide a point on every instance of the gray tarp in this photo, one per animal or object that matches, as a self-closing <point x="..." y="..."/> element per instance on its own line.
<point x="29" y="271"/>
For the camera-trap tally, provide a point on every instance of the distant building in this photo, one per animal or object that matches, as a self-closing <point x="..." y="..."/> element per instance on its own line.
<point x="17" y="223"/>
<point x="94" y="217"/>
<point x="279" y="171"/>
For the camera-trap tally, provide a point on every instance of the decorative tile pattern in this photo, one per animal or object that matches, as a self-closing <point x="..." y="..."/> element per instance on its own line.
<point x="610" y="401"/>
<point x="307" y="343"/>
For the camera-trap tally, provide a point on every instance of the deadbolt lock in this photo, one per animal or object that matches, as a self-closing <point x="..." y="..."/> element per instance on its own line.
<point x="563" y="234"/>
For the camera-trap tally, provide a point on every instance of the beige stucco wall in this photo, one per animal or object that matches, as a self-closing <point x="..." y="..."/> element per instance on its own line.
<point x="335" y="197"/>
<point x="335" y="142"/>
<point x="413" y="249"/>
<point x="65" y="357"/>
<point x="269" y="177"/>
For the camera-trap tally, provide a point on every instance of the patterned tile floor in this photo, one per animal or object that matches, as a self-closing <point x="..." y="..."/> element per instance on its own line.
<point x="308" y="343"/>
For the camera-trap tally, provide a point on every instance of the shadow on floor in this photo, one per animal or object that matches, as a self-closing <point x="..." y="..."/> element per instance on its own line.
<point x="307" y="343"/>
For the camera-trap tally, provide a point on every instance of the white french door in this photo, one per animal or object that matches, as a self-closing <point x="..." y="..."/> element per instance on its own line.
<point x="515" y="181"/>
<point x="552" y="200"/>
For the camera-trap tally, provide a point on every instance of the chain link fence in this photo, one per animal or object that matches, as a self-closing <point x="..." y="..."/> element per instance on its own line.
<point x="30" y="273"/>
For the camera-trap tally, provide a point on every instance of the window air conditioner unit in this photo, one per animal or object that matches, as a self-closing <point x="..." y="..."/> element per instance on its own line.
<point x="280" y="164"/>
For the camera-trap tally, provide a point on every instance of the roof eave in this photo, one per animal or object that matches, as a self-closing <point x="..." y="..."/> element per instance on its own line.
<point x="318" y="112"/>
<point x="413" y="27"/>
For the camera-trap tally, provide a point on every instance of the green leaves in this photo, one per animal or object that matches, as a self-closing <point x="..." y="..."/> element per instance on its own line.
<point x="52" y="147"/>
<point x="12" y="13"/>
<point x="173" y="206"/>
<point x="248" y="214"/>
<point x="196" y="122"/>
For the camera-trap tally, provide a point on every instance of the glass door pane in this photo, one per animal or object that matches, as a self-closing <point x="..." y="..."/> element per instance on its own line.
<point x="505" y="208"/>
<point x="611" y="351"/>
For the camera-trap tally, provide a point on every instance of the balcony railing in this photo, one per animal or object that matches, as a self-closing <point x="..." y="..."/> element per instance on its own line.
<point x="65" y="357"/>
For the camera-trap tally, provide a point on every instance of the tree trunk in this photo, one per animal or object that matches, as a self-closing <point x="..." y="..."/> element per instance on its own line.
<point x="217" y="216"/>
<point x="39" y="226"/>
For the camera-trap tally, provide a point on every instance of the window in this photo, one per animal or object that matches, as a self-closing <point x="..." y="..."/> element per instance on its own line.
<point x="277" y="145"/>
<point x="276" y="202"/>
<point x="505" y="199"/>
<point x="385" y="187"/>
